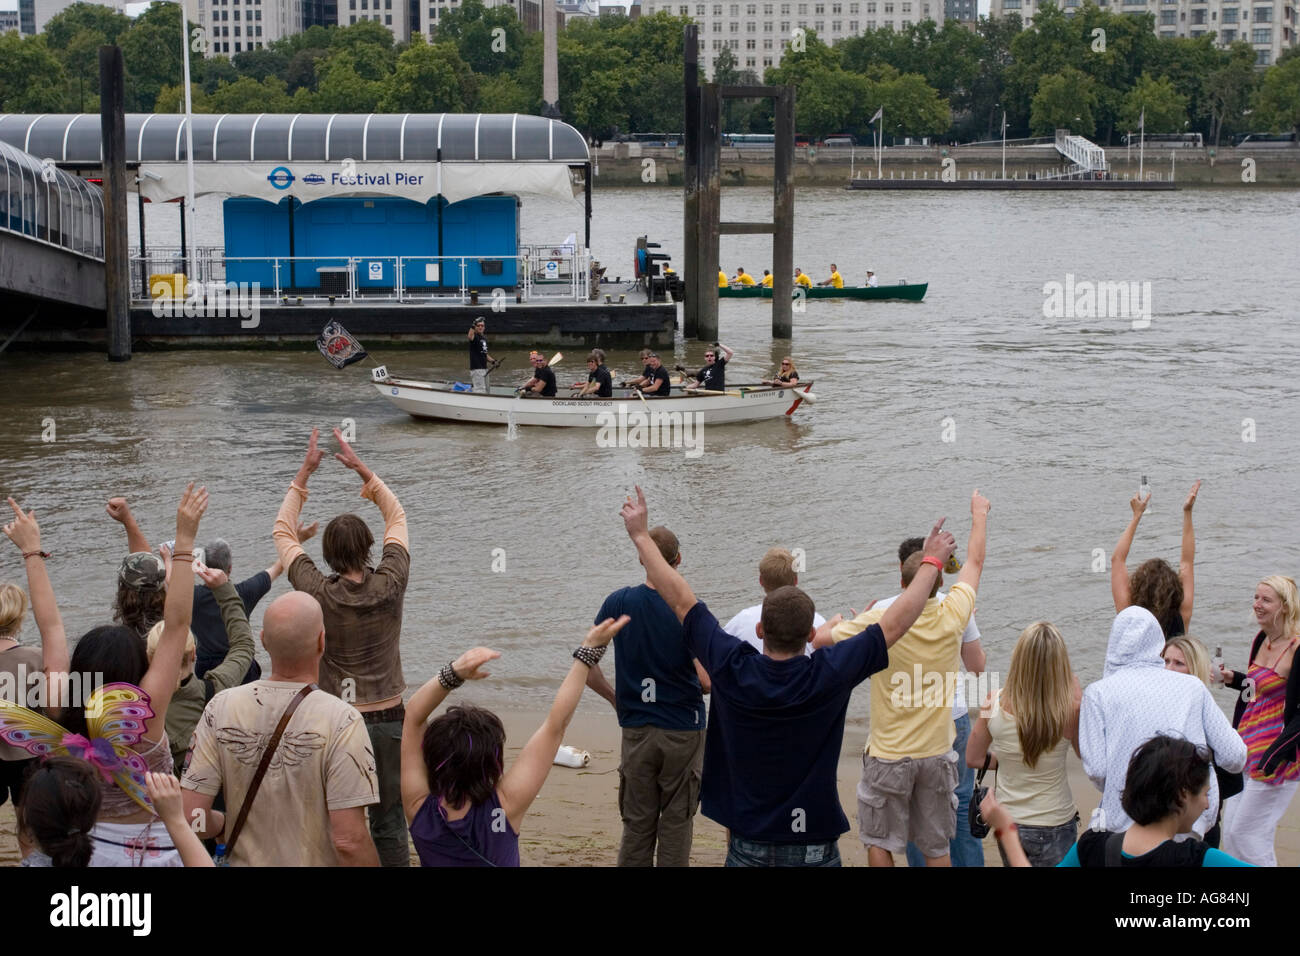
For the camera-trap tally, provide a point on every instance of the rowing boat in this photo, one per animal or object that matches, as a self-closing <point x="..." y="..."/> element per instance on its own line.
<point x="910" y="293"/>
<point x="501" y="405"/>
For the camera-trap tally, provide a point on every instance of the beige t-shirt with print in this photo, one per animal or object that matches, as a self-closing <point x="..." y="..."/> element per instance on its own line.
<point x="324" y="762"/>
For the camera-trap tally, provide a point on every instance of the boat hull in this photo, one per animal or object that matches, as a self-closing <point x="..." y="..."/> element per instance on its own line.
<point x="907" y="293"/>
<point x="436" y="400"/>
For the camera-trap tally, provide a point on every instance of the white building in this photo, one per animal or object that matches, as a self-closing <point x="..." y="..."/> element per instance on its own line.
<point x="43" y="11"/>
<point x="758" y="33"/>
<point x="236" y="26"/>
<point x="394" y="14"/>
<point x="1268" y="25"/>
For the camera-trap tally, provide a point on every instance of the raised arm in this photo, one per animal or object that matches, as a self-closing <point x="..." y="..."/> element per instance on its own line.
<point x="1118" y="572"/>
<point x="974" y="566"/>
<point x="1188" y="558"/>
<point x="523" y="781"/>
<point x="285" y="533"/>
<point x="729" y="352"/>
<point x="120" y="512"/>
<point x="305" y="531"/>
<point x="159" y="682"/>
<point x="902" y="614"/>
<point x="415" y="777"/>
<point x="239" y="655"/>
<point x="24" y="532"/>
<point x="672" y="587"/>
<point x="375" y="490"/>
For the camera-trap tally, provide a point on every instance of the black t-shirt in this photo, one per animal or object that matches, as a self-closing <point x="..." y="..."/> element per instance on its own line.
<point x="786" y="379"/>
<point x="659" y="374"/>
<point x="648" y="372"/>
<point x="1091" y="850"/>
<point x="602" y="375"/>
<point x="478" y="351"/>
<point x="547" y="376"/>
<point x="714" y="377"/>
<point x="210" y="630"/>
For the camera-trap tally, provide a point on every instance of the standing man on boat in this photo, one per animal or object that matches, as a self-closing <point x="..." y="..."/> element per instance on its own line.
<point x="543" y="381"/>
<point x="478" y="355"/>
<point x="362" y="613"/>
<point x="836" y="280"/>
<point x="713" y="376"/>
<point x="599" y="382"/>
<point x="658" y="694"/>
<point x="872" y="281"/>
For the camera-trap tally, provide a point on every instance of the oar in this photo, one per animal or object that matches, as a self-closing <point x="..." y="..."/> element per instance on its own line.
<point x="706" y="391"/>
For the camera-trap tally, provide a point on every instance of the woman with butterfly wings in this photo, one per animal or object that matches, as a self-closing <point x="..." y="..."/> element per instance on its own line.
<point x="119" y="727"/>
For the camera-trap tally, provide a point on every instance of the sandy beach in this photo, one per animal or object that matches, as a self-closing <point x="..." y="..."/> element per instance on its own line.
<point x="575" y="819"/>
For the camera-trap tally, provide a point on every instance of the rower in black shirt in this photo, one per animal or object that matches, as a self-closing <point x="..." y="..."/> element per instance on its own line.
<point x="543" y="381"/>
<point x="646" y="371"/>
<point x="599" y="382"/>
<point x="658" y="385"/>
<point x="713" y="377"/>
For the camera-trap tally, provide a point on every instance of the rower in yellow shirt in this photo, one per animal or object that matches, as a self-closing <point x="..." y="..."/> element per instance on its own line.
<point x="801" y="278"/>
<point x="723" y="283"/>
<point x="766" y="281"/>
<point x="743" y="277"/>
<point x="836" y="280"/>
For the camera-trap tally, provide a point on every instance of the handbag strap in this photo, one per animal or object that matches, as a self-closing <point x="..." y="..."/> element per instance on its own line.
<point x="1115" y="849"/>
<point x="979" y="777"/>
<point x="262" y="767"/>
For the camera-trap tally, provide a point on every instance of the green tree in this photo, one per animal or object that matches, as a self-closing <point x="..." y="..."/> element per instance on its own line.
<point x="1064" y="100"/>
<point x="301" y="71"/>
<point x="341" y="89"/>
<point x="210" y="72"/>
<point x="151" y="50"/>
<point x="912" y="106"/>
<point x="259" y="64"/>
<point x="370" y="46"/>
<point x="81" y="62"/>
<point x="502" y="93"/>
<point x="596" y="107"/>
<point x="491" y="41"/>
<point x="1277" y="104"/>
<point x="428" y="79"/>
<point x="169" y="99"/>
<point x="97" y="18"/>
<point x="247" y="95"/>
<point x="830" y="101"/>
<point x="31" y="79"/>
<point x="1166" y="109"/>
<point x="1228" y="89"/>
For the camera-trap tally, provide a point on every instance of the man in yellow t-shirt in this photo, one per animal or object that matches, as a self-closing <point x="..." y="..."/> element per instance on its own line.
<point x="909" y="770"/>
<point x="801" y="278"/>
<point x="743" y="277"/>
<point x="722" y="280"/>
<point x="766" y="281"/>
<point x="836" y="280"/>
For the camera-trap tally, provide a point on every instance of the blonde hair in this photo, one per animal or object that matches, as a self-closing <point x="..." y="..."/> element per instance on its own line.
<point x="1286" y="592"/>
<point x="1040" y="689"/>
<point x="13" y="607"/>
<point x="776" y="569"/>
<point x="155" y="635"/>
<point x="793" y="370"/>
<point x="1195" y="653"/>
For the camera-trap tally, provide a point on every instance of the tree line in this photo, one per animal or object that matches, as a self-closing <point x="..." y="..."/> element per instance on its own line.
<point x="1094" y="72"/>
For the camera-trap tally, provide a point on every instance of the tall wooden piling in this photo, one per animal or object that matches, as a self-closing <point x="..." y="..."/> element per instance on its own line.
<point x="689" y="267"/>
<point x="783" y="218"/>
<point x="117" y="274"/>
<point x="710" y="212"/>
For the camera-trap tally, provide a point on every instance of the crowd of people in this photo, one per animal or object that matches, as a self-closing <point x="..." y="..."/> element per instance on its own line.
<point x="323" y="761"/>
<point x="743" y="280"/>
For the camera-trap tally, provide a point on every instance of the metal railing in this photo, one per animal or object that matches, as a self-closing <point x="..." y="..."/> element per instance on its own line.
<point x="418" y="278"/>
<point x="45" y="204"/>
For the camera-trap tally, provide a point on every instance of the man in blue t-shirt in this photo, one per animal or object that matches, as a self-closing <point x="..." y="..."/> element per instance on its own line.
<point x="659" y="696"/>
<point x="776" y="722"/>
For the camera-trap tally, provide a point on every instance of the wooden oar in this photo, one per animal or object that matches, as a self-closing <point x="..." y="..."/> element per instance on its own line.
<point x="707" y="391"/>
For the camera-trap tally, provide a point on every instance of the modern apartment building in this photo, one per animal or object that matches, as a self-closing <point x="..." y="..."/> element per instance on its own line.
<point x="34" y="14"/>
<point x="759" y="32"/>
<point x="1267" y="25"/>
<point x="966" y="11"/>
<point x="9" y="20"/>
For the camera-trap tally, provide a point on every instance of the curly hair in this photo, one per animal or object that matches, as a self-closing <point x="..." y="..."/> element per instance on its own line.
<point x="138" y="610"/>
<point x="1155" y="586"/>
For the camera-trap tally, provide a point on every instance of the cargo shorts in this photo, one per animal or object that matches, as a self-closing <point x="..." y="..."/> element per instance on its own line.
<point x="908" y="799"/>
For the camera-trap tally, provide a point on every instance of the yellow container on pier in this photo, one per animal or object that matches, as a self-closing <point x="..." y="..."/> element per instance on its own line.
<point x="168" y="285"/>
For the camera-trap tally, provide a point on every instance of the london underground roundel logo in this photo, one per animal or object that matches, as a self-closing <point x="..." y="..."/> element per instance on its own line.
<point x="280" y="177"/>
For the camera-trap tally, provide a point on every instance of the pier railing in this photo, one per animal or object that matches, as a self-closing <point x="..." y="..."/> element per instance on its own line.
<point x="538" y="272"/>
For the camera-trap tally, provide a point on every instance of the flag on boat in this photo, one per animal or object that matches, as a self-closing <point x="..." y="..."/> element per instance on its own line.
<point x="879" y="113"/>
<point x="339" y="347"/>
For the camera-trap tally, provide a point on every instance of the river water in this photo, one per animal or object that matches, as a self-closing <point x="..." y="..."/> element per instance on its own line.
<point x="1055" y="419"/>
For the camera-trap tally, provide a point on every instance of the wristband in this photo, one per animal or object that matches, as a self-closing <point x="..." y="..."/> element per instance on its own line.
<point x="35" y="554"/>
<point x="935" y="562"/>
<point x="448" y="677"/>
<point x="183" y="556"/>
<point x="590" y="655"/>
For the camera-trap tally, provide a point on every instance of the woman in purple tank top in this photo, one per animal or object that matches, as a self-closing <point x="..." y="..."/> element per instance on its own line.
<point x="463" y="807"/>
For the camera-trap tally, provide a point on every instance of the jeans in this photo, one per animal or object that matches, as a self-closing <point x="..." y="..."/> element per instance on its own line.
<point x="387" y="818"/>
<point x="1046" y="846"/>
<point x="964" y="849"/>
<point x="741" y="852"/>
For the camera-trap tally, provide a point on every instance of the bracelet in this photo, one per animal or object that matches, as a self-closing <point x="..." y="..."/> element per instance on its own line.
<point x="590" y="655"/>
<point x="930" y="559"/>
<point x="1010" y="828"/>
<point x="448" y="677"/>
<point x="183" y="556"/>
<point x="35" y="554"/>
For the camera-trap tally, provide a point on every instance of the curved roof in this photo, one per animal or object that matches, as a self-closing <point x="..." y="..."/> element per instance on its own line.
<point x="304" y="137"/>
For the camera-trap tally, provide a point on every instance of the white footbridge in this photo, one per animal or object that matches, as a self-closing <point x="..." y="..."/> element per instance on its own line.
<point x="1087" y="157"/>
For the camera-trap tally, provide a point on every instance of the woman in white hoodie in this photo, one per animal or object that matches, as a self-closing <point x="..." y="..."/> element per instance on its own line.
<point x="1138" y="698"/>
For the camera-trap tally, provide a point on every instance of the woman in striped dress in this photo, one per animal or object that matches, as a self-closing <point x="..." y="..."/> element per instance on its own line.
<point x="1268" y="722"/>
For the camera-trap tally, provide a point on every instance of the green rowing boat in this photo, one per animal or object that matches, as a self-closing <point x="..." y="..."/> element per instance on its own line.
<point x="910" y="293"/>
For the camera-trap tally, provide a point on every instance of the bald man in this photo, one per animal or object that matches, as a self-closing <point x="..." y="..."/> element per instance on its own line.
<point x="293" y="820"/>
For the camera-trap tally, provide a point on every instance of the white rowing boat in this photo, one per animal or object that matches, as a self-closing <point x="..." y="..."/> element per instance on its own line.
<point x="501" y="405"/>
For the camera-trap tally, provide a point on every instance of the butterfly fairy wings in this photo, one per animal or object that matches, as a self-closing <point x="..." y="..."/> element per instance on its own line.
<point x="116" y="717"/>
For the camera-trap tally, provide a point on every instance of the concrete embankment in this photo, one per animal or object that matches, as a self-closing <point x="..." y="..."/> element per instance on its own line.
<point x="826" y="167"/>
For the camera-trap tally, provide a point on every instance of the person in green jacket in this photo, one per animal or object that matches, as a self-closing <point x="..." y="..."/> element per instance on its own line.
<point x="193" y="693"/>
